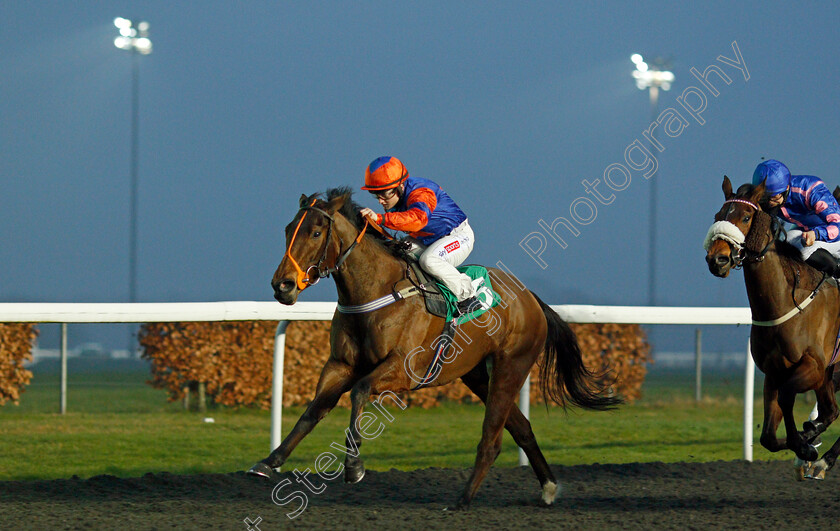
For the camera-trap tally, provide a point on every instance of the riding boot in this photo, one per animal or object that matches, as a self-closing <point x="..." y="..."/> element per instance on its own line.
<point x="824" y="261"/>
<point x="468" y="305"/>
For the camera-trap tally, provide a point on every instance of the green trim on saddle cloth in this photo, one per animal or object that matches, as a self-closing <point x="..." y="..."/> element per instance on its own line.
<point x="484" y="293"/>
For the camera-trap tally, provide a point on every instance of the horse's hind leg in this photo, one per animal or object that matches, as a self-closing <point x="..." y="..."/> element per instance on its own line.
<point x="819" y="468"/>
<point x="519" y="427"/>
<point x="827" y="402"/>
<point x="508" y="376"/>
<point x="336" y="378"/>
<point x="826" y="408"/>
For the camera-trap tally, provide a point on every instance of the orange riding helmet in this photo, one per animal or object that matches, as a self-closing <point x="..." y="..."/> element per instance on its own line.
<point x="384" y="173"/>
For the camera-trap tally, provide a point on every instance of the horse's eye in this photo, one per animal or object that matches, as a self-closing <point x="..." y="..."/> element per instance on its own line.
<point x="746" y="218"/>
<point x="316" y="234"/>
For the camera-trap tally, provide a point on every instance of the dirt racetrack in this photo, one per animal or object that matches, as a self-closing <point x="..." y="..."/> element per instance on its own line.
<point x="730" y="495"/>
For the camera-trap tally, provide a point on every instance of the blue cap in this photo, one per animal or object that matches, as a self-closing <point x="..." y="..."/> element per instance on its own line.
<point x="774" y="174"/>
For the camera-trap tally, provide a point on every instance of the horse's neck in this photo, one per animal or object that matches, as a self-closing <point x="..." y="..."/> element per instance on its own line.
<point x="767" y="286"/>
<point x="369" y="272"/>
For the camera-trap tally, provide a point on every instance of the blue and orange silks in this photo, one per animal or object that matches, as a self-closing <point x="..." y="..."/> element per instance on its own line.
<point x="424" y="211"/>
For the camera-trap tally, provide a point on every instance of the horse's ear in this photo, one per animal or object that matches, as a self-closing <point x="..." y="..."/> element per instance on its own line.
<point x="758" y="192"/>
<point x="727" y="188"/>
<point x="303" y="199"/>
<point x="337" y="202"/>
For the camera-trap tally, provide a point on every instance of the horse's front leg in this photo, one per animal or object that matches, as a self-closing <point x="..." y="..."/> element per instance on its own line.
<point x="795" y="442"/>
<point x="808" y="375"/>
<point x="354" y="467"/>
<point x="772" y="418"/>
<point x="336" y="378"/>
<point x="388" y="376"/>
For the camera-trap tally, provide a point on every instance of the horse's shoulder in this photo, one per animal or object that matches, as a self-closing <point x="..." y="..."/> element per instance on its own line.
<point x="342" y="337"/>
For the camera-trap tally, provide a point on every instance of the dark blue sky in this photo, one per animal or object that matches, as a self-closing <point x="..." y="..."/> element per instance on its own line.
<point x="510" y="106"/>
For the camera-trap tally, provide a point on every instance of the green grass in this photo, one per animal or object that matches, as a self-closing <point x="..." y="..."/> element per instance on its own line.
<point x="116" y="424"/>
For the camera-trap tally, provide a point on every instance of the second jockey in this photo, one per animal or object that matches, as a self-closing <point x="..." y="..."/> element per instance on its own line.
<point x="805" y="201"/>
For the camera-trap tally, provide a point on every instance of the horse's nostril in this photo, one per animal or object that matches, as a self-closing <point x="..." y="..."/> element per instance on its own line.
<point x="284" y="285"/>
<point x="721" y="260"/>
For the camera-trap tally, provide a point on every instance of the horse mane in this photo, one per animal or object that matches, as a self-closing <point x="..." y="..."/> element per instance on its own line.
<point x="776" y="226"/>
<point x="786" y="251"/>
<point x="351" y="209"/>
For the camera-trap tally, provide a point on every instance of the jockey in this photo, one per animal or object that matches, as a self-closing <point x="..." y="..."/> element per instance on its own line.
<point x="438" y="230"/>
<point x="805" y="201"/>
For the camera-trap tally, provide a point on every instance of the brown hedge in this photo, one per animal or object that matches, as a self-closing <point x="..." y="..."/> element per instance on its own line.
<point x="16" y="340"/>
<point x="235" y="361"/>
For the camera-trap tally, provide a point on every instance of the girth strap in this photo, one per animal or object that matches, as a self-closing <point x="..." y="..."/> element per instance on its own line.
<point x="797" y="308"/>
<point x="440" y="356"/>
<point x="381" y="302"/>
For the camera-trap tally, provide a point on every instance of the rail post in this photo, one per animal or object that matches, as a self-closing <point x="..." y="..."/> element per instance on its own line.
<point x="62" y="401"/>
<point x="525" y="408"/>
<point x="277" y="384"/>
<point x="698" y="366"/>
<point x="749" y="386"/>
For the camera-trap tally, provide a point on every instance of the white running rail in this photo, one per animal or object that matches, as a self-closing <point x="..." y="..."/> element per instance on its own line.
<point x="42" y="312"/>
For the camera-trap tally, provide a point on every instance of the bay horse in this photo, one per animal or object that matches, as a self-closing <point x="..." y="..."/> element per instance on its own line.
<point x="371" y="353"/>
<point x="796" y="317"/>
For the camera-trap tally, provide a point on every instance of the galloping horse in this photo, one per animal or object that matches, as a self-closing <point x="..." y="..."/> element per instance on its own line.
<point x="796" y="316"/>
<point x="370" y="353"/>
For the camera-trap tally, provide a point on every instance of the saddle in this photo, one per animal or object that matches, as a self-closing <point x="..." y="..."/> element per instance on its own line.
<point x="435" y="301"/>
<point x="440" y="301"/>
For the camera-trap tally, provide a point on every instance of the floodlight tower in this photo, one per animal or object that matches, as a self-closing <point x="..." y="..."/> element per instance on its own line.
<point x="134" y="39"/>
<point x="652" y="77"/>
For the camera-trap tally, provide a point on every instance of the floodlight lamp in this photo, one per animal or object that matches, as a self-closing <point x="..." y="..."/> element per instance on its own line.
<point x="123" y="43"/>
<point x="143" y="45"/>
<point x="131" y="37"/>
<point x="636" y="58"/>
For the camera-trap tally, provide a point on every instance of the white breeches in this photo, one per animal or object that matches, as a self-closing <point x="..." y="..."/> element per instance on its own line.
<point x="441" y="257"/>
<point x="794" y="237"/>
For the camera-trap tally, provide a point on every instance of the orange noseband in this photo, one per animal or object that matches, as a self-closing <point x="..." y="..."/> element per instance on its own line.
<point x="304" y="279"/>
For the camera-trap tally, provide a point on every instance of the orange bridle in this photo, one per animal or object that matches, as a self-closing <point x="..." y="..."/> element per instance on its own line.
<point x="305" y="279"/>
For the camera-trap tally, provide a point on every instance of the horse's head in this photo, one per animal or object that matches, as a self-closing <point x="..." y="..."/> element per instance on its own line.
<point x="740" y="224"/>
<point x="310" y="248"/>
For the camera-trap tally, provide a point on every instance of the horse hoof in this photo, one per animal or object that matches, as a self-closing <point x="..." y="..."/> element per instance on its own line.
<point x="354" y="475"/>
<point x="549" y="492"/>
<point x="818" y="470"/>
<point x="260" y="469"/>
<point x="802" y="469"/>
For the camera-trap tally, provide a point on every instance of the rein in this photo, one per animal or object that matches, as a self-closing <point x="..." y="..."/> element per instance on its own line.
<point x="305" y="279"/>
<point x="730" y="233"/>
<point x="727" y="231"/>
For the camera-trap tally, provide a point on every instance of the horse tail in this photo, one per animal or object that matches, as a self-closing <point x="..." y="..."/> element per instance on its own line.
<point x="563" y="376"/>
